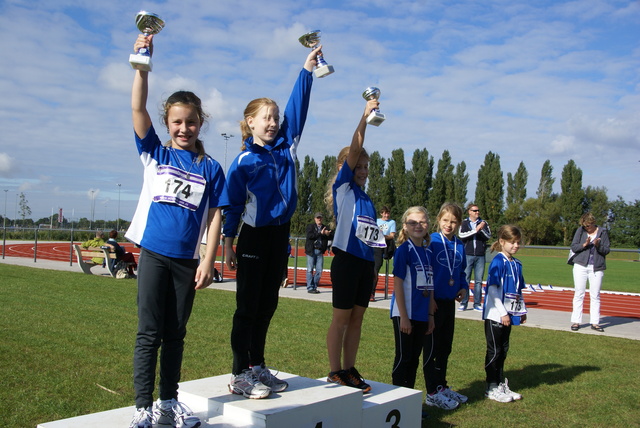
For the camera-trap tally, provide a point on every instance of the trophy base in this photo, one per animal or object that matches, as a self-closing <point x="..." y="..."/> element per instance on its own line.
<point x="375" y="118"/>
<point x="140" y="62"/>
<point x="323" y="71"/>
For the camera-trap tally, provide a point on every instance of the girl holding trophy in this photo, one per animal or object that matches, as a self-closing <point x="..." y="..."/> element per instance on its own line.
<point x="261" y="186"/>
<point x="356" y="234"/>
<point x="181" y="195"/>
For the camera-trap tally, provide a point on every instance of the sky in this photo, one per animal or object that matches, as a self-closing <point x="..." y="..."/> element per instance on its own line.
<point x="527" y="80"/>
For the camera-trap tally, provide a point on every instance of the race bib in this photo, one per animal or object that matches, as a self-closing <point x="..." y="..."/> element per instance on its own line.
<point x="514" y="304"/>
<point x="368" y="232"/>
<point x="424" y="280"/>
<point x="175" y="186"/>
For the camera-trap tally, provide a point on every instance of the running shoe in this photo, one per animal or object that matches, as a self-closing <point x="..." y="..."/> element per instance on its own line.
<point x="438" y="399"/>
<point x="247" y="384"/>
<point x="265" y="376"/>
<point x="513" y="394"/>
<point x="174" y="413"/>
<point x="450" y="393"/>
<point x="357" y="381"/>
<point x="498" y="394"/>
<point x="339" y="378"/>
<point x="142" y="418"/>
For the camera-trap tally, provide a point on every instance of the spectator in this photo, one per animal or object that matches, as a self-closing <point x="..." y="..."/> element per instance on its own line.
<point x="318" y="236"/>
<point x="96" y="242"/>
<point x="474" y="233"/>
<point x="388" y="228"/>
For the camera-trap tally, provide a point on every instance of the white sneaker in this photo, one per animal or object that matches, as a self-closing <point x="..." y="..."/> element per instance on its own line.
<point x="462" y="308"/>
<point x="265" y="376"/>
<point x="438" y="399"/>
<point x="513" y="394"/>
<point x="142" y="418"/>
<point x="498" y="394"/>
<point x="247" y="384"/>
<point x="450" y="393"/>
<point x="174" y="413"/>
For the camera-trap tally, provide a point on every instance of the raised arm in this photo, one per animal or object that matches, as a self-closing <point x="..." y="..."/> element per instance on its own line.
<point x="139" y="92"/>
<point x="357" y="142"/>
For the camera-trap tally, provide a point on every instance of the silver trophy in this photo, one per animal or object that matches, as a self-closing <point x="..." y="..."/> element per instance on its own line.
<point x="312" y="40"/>
<point x="375" y="118"/>
<point x="148" y="23"/>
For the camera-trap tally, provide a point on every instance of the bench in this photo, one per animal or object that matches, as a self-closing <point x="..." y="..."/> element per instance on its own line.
<point x="91" y="252"/>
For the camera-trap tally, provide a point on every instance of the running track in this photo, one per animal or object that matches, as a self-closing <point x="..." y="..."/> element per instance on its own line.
<point x="612" y="303"/>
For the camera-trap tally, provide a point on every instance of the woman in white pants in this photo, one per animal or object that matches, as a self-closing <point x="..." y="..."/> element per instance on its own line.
<point x="591" y="246"/>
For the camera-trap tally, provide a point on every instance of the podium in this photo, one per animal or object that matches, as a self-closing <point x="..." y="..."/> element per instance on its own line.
<point x="307" y="403"/>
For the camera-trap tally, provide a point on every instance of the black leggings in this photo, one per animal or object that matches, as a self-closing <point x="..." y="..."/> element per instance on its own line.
<point x="262" y="257"/>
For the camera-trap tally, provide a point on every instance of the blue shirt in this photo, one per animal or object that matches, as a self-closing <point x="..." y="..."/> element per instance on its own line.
<point x="349" y="202"/>
<point x="161" y="224"/>
<point x="410" y="261"/>
<point x="449" y="262"/>
<point x="262" y="180"/>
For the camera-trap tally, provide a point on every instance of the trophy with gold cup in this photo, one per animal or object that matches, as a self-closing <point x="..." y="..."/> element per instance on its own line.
<point x="148" y="23"/>
<point x="312" y="40"/>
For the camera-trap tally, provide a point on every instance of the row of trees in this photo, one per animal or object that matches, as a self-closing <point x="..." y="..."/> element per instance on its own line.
<point x="547" y="219"/>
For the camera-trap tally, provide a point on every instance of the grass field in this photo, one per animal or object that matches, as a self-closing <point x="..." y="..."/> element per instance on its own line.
<point x="67" y="335"/>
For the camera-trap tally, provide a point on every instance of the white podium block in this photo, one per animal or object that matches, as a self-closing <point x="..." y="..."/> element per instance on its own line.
<point x="306" y="403"/>
<point x="391" y="406"/>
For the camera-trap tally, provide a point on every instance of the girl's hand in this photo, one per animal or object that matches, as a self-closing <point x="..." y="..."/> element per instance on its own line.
<point x="405" y="325"/>
<point x="144" y="42"/>
<point x="204" y="276"/>
<point x="506" y="320"/>
<point x="371" y="105"/>
<point x="431" y="325"/>
<point x="230" y="258"/>
<point x="523" y="319"/>
<point x="312" y="58"/>
<point x="461" y="294"/>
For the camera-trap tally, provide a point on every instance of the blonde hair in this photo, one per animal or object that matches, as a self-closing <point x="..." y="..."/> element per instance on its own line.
<point x="402" y="235"/>
<point x="252" y="110"/>
<point x="449" y="208"/>
<point x="189" y="99"/>
<point x="587" y="218"/>
<point x="340" y="160"/>
<point x="509" y="233"/>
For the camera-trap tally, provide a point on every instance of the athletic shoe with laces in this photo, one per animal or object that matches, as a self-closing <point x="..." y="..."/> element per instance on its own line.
<point x="450" y="393"/>
<point x="498" y="394"/>
<point x="339" y="378"/>
<point x="247" y="384"/>
<point x="513" y="394"/>
<point x="142" y="418"/>
<point x="438" y="399"/>
<point x="174" y="413"/>
<point x="357" y="381"/>
<point x="265" y="376"/>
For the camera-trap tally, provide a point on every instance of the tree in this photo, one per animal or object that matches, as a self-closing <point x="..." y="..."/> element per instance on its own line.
<point x="421" y="177"/>
<point x="396" y="175"/>
<point x="460" y="183"/>
<point x="25" y="210"/>
<point x="597" y="202"/>
<point x="377" y="187"/>
<point x="545" y="188"/>
<point x="442" y="190"/>
<point x="625" y="223"/>
<point x="490" y="189"/>
<point x="516" y="194"/>
<point x="539" y="221"/>
<point x="328" y="170"/>
<point x="571" y="199"/>
<point x="301" y="215"/>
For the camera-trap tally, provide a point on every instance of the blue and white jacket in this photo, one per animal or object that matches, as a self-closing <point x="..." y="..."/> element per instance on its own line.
<point x="262" y="181"/>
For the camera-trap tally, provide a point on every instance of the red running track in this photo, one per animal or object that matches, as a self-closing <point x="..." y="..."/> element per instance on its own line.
<point x="611" y="303"/>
